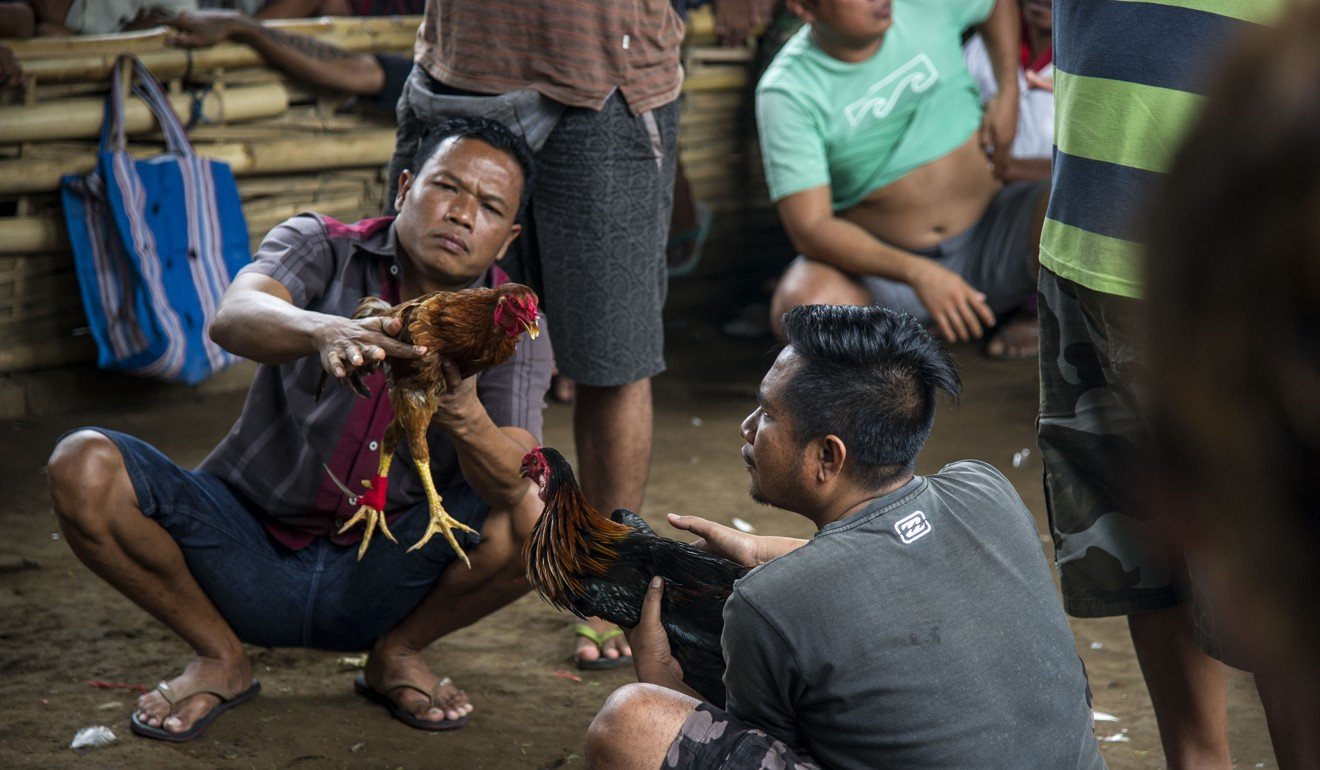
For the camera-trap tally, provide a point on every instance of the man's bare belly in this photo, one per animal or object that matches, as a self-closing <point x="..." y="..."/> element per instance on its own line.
<point x="932" y="203"/>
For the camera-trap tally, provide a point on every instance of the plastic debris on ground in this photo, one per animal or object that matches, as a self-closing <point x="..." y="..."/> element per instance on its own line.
<point x="1118" y="737"/>
<point x="742" y="526"/>
<point x="54" y="536"/>
<point x="1021" y="457"/>
<point x="102" y="685"/>
<point x="1097" y="646"/>
<point x="697" y="422"/>
<point x="355" y="748"/>
<point x="1101" y="716"/>
<point x="350" y="661"/>
<point x="564" y="673"/>
<point x="92" y="737"/>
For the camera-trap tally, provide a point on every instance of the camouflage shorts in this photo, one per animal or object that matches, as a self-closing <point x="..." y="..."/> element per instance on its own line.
<point x="712" y="739"/>
<point x="1092" y="439"/>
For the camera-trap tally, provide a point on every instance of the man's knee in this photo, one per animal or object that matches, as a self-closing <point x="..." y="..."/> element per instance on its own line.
<point x="83" y="469"/>
<point x="813" y="283"/>
<point x="611" y="732"/>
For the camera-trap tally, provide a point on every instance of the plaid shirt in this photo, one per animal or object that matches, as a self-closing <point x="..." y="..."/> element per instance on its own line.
<point x="274" y="453"/>
<point x="576" y="52"/>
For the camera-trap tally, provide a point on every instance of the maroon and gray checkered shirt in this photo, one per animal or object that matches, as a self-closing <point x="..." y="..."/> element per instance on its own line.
<point x="577" y="52"/>
<point x="274" y="453"/>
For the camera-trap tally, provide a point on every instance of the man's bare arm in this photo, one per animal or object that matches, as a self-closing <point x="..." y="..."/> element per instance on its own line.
<point x="302" y="57"/>
<point x="258" y="320"/>
<point x="1000" y="31"/>
<point x="959" y="311"/>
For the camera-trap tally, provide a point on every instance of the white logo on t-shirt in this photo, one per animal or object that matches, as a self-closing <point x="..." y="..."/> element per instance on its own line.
<point x="881" y="98"/>
<point x="912" y="526"/>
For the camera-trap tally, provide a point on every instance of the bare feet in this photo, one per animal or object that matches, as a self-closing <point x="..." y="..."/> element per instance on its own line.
<point x="1017" y="339"/>
<point x="390" y="664"/>
<point x="219" y="675"/>
<point x="612" y="648"/>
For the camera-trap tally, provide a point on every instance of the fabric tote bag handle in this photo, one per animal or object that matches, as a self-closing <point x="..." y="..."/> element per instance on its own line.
<point x="152" y="93"/>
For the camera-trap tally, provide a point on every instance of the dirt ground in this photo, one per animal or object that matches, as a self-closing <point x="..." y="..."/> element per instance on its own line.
<point x="61" y="627"/>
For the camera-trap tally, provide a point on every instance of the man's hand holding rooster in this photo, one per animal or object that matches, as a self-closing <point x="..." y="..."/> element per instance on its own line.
<point x="745" y="549"/>
<point x="347" y="345"/>
<point x="458" y="405"/>
<point x="652" y="658"/>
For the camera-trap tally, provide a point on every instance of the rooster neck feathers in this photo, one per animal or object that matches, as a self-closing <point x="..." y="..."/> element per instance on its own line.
<point x="571" y="539"/>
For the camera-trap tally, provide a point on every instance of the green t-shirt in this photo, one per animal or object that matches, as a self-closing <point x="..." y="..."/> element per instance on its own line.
<point x="858" y="127"/>
<point x="1129" y="79"/>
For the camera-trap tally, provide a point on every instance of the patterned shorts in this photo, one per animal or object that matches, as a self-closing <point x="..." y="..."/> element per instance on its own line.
<point x="1093" y="439"/>
<point x="712" y="739"/>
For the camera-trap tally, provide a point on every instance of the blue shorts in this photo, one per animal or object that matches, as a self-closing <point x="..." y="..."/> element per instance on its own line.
<point x="320" y="596"/>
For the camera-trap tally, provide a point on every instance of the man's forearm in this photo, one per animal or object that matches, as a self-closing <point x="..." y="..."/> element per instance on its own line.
<point x="852" y="249"/>
<point x="1000" y="31"/>
<point x="312" y="60"/>
<point x="266" y="329"/>
<point x="489" y="458"/>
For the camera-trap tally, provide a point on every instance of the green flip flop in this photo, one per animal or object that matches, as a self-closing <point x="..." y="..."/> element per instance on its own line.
<point x="602" y="663"/>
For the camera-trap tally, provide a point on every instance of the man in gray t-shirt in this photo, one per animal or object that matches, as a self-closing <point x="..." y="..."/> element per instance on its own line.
<point x="918" y="628"/>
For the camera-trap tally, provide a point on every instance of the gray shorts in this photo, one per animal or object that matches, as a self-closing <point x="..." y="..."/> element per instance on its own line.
<point x="1093" y="440"/>
<point x="594" y="231"/>
<point x="994" y="255"/>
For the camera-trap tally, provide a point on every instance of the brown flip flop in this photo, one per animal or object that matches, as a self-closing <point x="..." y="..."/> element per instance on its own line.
<point x="175" y="698"/>
<point x="382" y="697"/>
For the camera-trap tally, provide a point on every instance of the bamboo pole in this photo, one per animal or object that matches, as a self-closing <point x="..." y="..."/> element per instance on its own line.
<point x="82" y="118"/>
<point x="24" y="235"/>
<point x="20" y="235"/>
<point x="396" y="33"/>
<point x="87" y="45"/>
<point x="309" y="152"/>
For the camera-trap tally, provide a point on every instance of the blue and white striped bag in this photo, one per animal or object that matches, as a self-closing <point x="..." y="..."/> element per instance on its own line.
<point x="155" y="242"/>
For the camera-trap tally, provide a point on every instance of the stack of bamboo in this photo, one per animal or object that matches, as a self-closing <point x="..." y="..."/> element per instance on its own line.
<point x="718" y="149"/>
<point x="287" y="147"/>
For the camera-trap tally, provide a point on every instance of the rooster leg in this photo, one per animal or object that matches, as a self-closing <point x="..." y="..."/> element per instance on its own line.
<point x="372" y="510"/>
<point x="441" y="522"/>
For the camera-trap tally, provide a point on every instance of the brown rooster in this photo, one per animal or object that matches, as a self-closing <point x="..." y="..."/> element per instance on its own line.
<point x="475" y="328"/>
<point x="596" y="566"/>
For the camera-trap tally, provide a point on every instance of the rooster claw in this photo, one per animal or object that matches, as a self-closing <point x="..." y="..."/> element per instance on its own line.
<point x="373" y="519"/>
<point x="444" y="524"/>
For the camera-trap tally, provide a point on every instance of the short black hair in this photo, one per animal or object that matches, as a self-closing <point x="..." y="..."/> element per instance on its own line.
<point x="868" y="375"/>
<point x="492" y="132"/>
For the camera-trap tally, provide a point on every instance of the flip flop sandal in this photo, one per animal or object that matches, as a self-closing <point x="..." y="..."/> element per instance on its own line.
<point x="175" y="698"/>
<point x="602" y="663"/>
<point x="403" y="715"/>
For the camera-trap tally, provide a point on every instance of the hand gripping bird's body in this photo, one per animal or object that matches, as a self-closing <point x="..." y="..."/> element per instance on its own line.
<point x="581" y="561"/>
<point x="474" y="328"/>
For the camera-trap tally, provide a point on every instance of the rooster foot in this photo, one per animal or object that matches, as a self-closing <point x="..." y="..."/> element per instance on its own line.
<point x="444" y="524"/>
<point x="374" y="518"/>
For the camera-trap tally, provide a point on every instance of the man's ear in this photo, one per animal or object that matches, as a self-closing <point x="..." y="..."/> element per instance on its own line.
<point x="508" y="240"/>
<point x="830" y="454"/>
<point x="405" y="184"/>
<point x="801" y="9"/>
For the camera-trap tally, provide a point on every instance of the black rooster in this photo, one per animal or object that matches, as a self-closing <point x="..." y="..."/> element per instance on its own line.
<point x="581" y="561"/>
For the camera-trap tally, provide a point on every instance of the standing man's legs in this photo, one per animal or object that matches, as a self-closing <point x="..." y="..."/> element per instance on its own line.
<point x="601" y="209"/>
<point x="1110" y="556"/>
